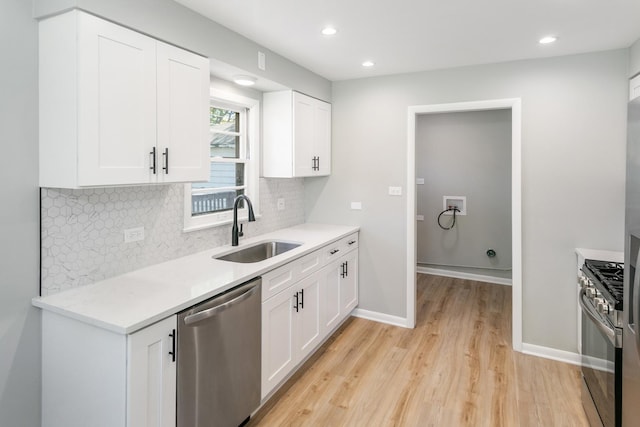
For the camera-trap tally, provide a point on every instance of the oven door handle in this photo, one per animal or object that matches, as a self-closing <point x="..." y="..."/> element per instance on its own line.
<point x="612" y="334"/>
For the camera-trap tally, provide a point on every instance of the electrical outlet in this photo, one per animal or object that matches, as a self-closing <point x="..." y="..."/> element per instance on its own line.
<point x="420" y="181"/>
<point x="420" y="217"/>
<point x="133" y="234"/>
<point x="395" y="191"/>
<point x="280" y="204"/>
<point x="356" y="206"/>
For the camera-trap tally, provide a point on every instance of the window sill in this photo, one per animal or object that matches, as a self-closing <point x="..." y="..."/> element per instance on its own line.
<point x="241" y="218"/>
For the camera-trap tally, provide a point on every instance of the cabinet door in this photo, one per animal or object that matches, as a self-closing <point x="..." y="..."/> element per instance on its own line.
<point x="151" y="373"/>
<point x="116" y="103"/>
<point x="330" y="294"/>
<point x="183" y="115"/>
<point x="278" y="357"/>
<point x="349" y="283"/>
<point x="322" y="137"/>
<point x="307" y="318"/>
<point x="303" y="124"/>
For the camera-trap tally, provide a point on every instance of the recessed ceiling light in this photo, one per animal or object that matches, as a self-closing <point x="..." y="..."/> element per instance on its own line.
<point x="547" y="39"/>
<point x="368" y="64"/>
<point x="329" y="31"/>
<point x="244" y="80"/>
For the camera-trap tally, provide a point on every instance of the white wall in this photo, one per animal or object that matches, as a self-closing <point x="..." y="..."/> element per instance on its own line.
<point x="19" y="240"/>
<point x="465" y="154"/>
<point x="634" y="59"/>
<point x="174" y="23"/>
<point x="573" y="171"/>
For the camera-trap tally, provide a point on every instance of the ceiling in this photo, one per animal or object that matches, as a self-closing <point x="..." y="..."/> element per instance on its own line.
<point x="403" y="36"/>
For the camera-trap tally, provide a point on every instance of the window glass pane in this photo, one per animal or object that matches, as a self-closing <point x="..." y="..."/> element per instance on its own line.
<point x="226" y="146"/>
<point x="218" y="201"/>
<point x="223" y="175"/>
<point x="221" y="119"/>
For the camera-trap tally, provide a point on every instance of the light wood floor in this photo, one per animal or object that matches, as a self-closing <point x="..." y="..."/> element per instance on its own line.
<point x="456" y="368"/>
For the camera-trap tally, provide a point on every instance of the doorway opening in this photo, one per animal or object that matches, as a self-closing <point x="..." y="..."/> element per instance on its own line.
<point x="467" y="154"/>
<point x="514" y="106"/>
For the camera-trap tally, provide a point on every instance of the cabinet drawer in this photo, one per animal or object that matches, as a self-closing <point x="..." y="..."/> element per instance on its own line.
<point x="351" y="241"/>
<point x="340" y="247"/>
<point x="311" y="262"/>
<point x="279" y="279"/>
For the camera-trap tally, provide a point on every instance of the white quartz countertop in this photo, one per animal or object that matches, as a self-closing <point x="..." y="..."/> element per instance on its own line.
<point x="600" y="255"/>
<point x="127" y="303"/>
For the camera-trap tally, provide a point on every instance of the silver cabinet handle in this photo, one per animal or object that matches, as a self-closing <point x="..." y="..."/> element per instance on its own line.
<point x="165" y="168"/>
<point x="152" y="153"/>
<point x="210" y="312"/>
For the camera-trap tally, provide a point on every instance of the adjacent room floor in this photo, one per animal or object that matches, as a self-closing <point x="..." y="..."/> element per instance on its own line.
<point x="456" y="368"/>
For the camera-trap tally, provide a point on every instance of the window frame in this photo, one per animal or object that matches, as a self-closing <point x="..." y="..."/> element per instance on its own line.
<point x="251" y="168"/>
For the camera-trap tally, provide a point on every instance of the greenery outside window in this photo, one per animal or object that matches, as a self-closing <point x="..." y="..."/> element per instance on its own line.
<point x="233" y="124"/>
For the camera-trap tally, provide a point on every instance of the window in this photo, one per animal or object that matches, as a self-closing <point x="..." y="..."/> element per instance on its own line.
<point x="233" y="122"/>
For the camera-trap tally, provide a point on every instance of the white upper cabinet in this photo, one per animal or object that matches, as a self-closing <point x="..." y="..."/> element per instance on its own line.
<point x="297" y="135"/>
<point x="634" y="88"/>
<point x="118" y="107"/>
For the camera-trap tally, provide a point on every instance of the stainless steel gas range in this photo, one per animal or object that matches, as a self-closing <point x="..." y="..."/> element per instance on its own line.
<point x="600" y="298"/>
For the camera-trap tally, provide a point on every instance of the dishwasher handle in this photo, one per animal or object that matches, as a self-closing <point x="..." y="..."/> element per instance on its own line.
<point x="210" y="312"/>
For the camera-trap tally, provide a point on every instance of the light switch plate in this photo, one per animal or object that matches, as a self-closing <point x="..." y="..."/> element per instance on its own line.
<point x="280" y="204"/>
<point x="420" y="217"/>
<point x="420" y="181"/>
<point x="133" y="234"/>
<point x="395" y="191"/>
<point x="356" y="206"/>
<point x="262" y="61"/>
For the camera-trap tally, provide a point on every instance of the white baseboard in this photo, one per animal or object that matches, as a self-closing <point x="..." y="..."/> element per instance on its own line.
<point x="463" y="275"/>
<point x="551" y="353"/>
<point x="380" y="317"/>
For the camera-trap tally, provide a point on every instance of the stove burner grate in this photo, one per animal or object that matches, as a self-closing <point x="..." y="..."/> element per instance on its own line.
<point x="610" y="276"/>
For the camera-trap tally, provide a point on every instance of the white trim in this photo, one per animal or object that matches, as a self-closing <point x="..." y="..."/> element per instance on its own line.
<point x="380" y="317"/>
<point x="551" y="353"/>
<point x="217" y="219"/>
<point x="463" y="275"/>
<point x="514" y="104"/>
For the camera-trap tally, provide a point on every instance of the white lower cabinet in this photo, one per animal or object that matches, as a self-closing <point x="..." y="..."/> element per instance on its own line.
<point x="298" y="319"/>
<point x="348" y="283"/>
<point x="331" y="297"/>
<point x="307" y="316"/>
<point x="291" y="328"/>
<point x="95" y="377"/>
<point x="340" y="290"/>
<point x="151" y="375"/>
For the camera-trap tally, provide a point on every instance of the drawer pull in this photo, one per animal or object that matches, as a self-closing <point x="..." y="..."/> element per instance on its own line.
<point x="351" y="242"/>
<point x="335" y="251"/>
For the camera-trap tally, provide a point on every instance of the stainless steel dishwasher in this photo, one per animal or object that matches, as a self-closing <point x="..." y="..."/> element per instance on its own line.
<point x="218" y="359"/>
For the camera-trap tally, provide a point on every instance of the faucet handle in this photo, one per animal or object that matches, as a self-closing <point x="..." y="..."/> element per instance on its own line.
<point x="240" y="233"/>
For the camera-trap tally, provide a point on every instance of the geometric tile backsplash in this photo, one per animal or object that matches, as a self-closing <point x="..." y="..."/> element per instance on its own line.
<point x="82" y="230"/>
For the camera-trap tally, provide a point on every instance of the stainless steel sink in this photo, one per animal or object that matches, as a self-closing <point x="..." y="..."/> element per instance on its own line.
<point x="258" y="252"/>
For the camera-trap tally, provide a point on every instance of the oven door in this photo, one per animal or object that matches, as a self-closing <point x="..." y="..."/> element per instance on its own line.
<point x="601" y="361"/>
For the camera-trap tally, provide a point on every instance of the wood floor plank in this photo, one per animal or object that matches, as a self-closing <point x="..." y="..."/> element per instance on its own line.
<point x="456" y="368"/>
